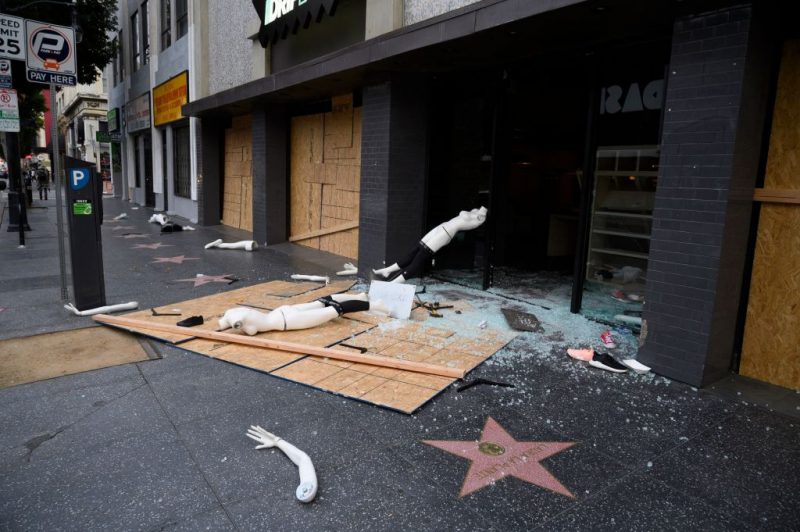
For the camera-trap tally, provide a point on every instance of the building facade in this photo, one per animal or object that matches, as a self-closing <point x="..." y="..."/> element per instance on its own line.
<point x="154" y="162"/>
<point x="642" y="149"/>
<point x="82" y="114"/>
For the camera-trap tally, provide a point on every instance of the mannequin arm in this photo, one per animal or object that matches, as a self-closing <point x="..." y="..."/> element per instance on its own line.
<point x="307" y="489"/>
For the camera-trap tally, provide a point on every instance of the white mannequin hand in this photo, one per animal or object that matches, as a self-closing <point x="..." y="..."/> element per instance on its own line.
<point x="307" y="489"/>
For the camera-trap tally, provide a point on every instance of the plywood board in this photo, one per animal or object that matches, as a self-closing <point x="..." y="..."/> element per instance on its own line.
<point x="237" y="187"/>
<point x="772" y="330"/>
<point x="403" y="391"/>
<point x="325" y="177"/>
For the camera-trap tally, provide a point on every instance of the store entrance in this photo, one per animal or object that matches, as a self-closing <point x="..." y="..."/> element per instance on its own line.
<point x="514" y="142"/>
<point x="149" y="195"/>
<point x="537" y="183"/>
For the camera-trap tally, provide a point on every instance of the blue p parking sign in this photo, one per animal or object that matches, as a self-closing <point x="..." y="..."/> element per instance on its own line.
<point x="79" y="178"/>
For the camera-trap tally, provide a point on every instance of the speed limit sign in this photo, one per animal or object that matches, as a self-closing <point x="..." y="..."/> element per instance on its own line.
<point x="12" y="37"/>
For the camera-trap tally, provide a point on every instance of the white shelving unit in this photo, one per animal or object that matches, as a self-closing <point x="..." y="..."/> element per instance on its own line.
<point x="622" y="208"/>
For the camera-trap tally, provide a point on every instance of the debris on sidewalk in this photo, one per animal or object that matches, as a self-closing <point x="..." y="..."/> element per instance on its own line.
<point x="480" y="380"/>
<point x="317" y="278"/>
<point x="349" y="269"/>
<point x="522" y="321"/>
<point x="307" y="489"/>
<point x="394" y="363"/>
<point x="131" y="305"/>
<point x="247" y="245"/>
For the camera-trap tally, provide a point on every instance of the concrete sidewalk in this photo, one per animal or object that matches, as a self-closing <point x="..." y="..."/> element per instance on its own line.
<point x="160" y="445"/>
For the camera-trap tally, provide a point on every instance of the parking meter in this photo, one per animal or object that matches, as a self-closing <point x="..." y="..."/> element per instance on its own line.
<point x="85" y="215"/>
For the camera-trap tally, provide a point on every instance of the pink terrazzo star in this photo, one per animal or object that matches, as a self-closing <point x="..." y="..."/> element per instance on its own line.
<point x="152" y="246"/>
<point x="179" y="259"/>
<point x="200" y="280"/>
<point x="497" y="455"/>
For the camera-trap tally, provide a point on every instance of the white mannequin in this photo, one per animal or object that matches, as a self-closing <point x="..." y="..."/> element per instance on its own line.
<point x="160" y="219"/>
<point x="294" y="317"/>
<point x="307" y="489"/>
<point x="247" y="245"/>
<point x="433" y="241"/>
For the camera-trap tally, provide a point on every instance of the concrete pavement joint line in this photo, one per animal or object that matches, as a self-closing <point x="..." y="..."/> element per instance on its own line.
<point x="36" y="442"/>
<point x="187" y="448"/>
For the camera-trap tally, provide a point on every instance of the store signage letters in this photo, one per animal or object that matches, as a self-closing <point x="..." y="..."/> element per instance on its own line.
<point x="169" y="97"/>
<point x="137" y="113"/>
<point x="277" y="8"/>
<point x="113" y="119"/>
<point x="280" y="17"/>
<point x="615" y="99"/>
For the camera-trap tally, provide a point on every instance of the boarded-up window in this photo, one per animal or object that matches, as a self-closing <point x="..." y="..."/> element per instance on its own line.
<point x="325" y="178"/>
<point x="237" y="188"/>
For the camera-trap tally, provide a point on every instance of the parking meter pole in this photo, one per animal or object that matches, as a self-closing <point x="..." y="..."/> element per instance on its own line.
<point x="84" y="212"/>
<point x="58" y="182"/>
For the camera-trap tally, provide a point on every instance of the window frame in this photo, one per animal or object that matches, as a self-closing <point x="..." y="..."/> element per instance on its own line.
<point x="145" y="14"/>
<point x="181" y="183"/>
<point x="165" y="17"/>
<point x="136" y="44"/>
<point x="181" y="18"/>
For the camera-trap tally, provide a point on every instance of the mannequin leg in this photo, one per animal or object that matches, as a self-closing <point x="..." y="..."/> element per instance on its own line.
<point x="416" y="267"/>
<point x="399" y="265"/>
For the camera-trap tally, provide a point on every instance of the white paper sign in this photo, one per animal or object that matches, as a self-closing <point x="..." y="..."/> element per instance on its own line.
<point x="397" y="296"/>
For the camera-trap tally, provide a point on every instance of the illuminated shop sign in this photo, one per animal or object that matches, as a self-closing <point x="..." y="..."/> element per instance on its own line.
<point x="280" y="17"/>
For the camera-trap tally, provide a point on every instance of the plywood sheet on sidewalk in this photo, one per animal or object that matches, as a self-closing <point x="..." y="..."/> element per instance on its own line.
<point x="45" y="356"/>
<point x="772" y="329"/>
<point x="400" y="390"/>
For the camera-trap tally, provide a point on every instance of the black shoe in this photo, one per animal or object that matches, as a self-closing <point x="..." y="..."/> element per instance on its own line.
<point x="606" y="362"/>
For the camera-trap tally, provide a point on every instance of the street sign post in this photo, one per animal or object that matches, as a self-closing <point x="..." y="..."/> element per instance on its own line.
<point x="12" y="37"/>
<point x="50" y="54"/>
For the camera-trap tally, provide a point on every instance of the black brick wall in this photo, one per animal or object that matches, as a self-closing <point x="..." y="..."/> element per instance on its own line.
<point x="394" y="142"/>
<point x="208" y="186"/>
<point x="270" y="175"/>
<point x="713" y="125"/>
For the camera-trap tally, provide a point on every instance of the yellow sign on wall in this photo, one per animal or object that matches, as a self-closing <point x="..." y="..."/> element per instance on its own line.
<point x="169" y="97"/>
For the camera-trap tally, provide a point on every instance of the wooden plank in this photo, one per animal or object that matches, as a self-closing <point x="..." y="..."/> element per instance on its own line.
<point x="774" y="195"/>
<point x="321" y="232"/>
<point x="337" y="354"/>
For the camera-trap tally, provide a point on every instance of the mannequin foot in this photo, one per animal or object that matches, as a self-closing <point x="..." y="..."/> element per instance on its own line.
<point x="387" y="271"/>
<point x="214" y="244"/>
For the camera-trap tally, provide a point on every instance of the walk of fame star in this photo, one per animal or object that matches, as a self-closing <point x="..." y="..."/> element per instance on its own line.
<point x="200" y="280"/>
<point x="179" y="259"/>
<point x="152" y="246"/>
<point x="497" y="455"/>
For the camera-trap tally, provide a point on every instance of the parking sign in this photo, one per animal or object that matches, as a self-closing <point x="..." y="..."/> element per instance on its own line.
<point x="51" y="54"/>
